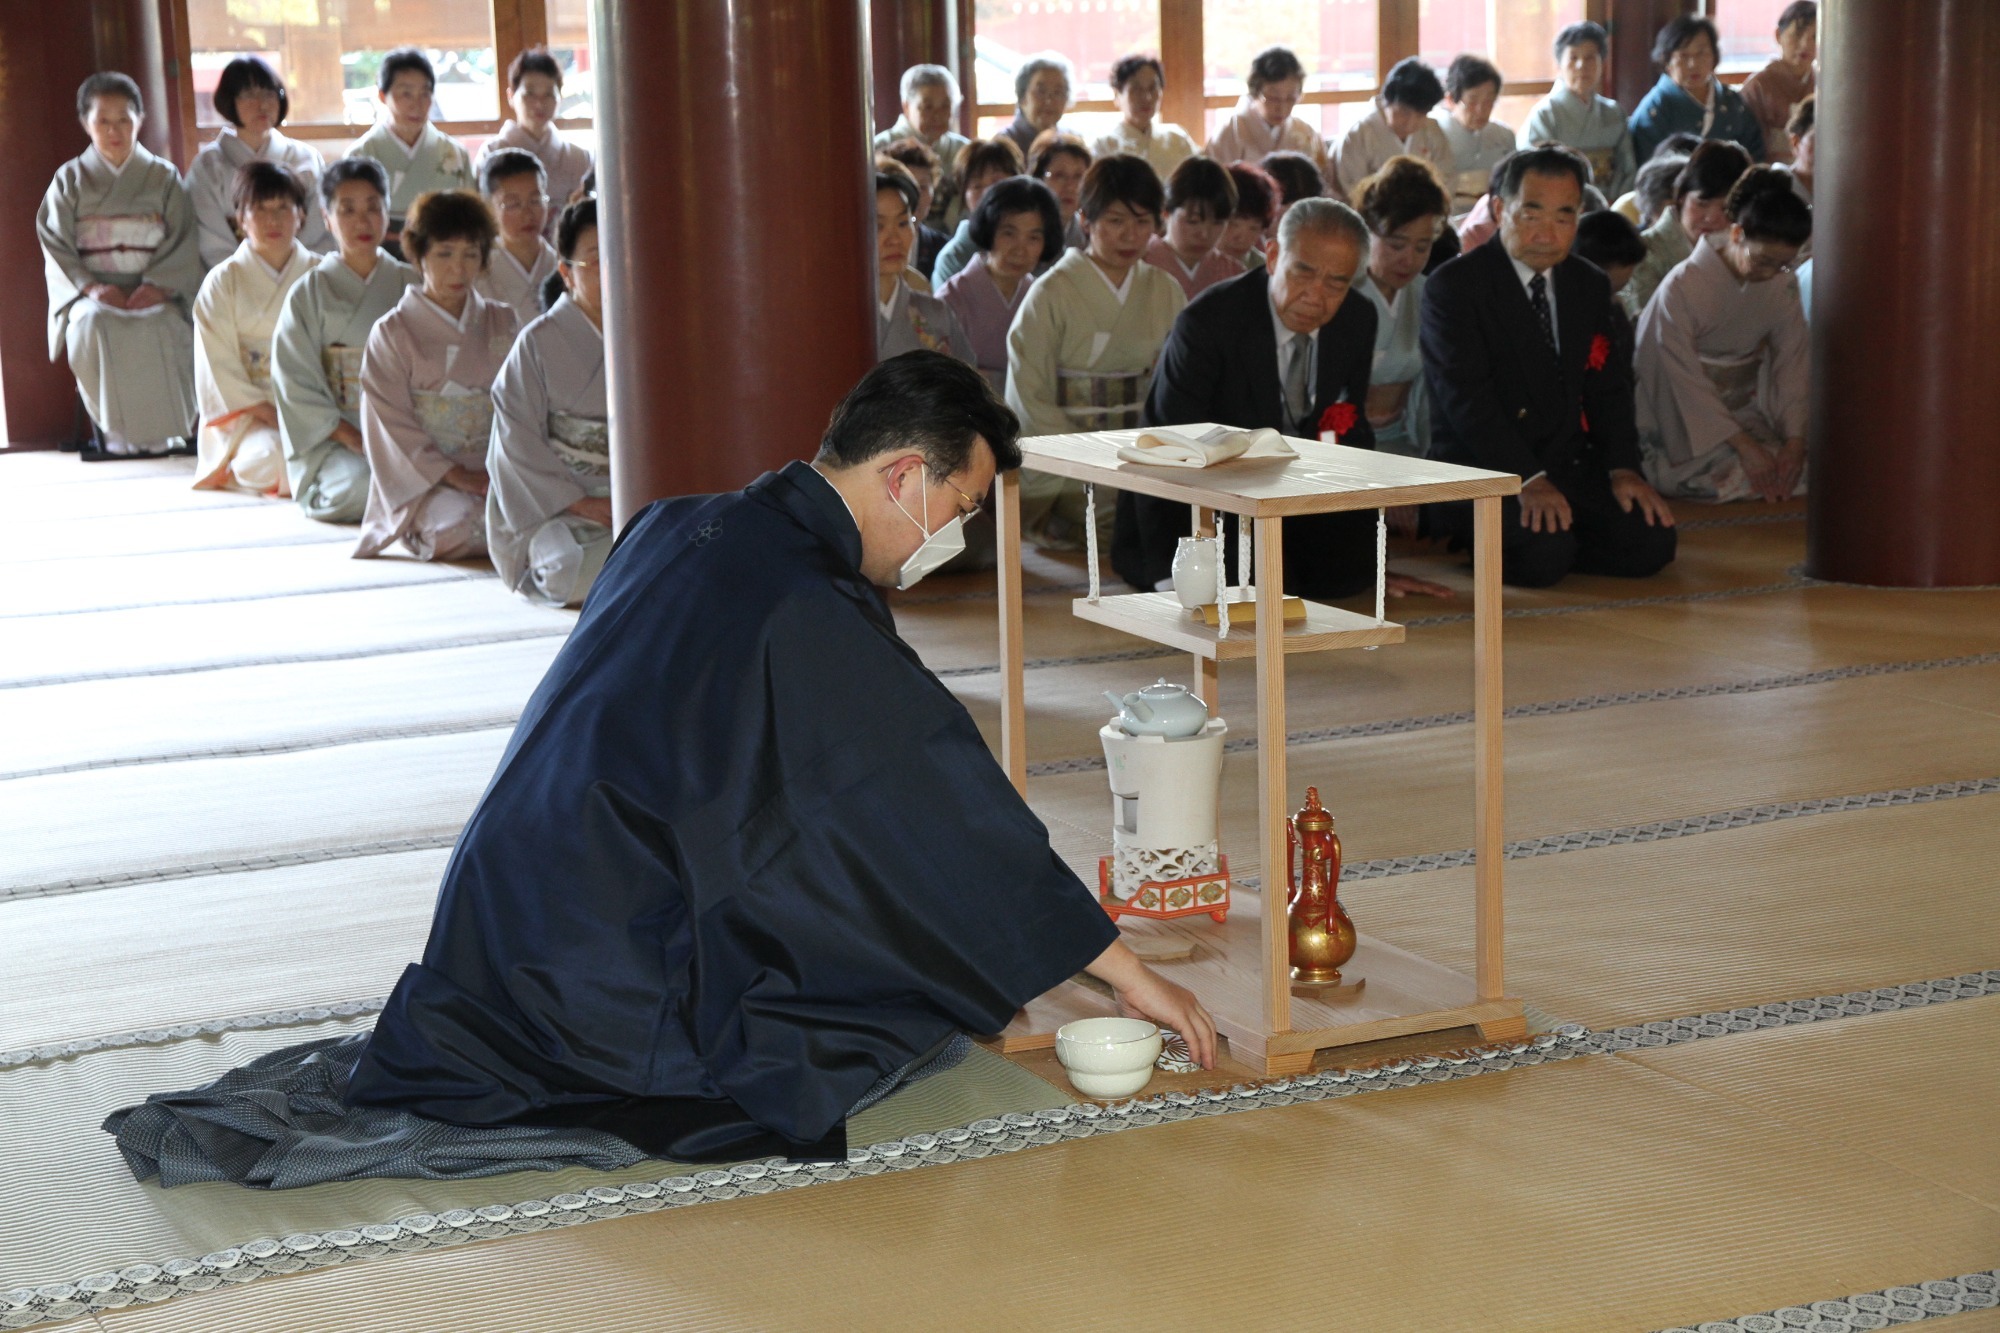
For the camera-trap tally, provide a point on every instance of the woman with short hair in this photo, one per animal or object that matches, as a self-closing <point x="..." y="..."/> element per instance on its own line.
<point x="317" y="351"/>
<point x="516" y="186"/>
<point x="1575" y="115"/>
<point x="1701" y="194"/>
<point x="984" y="163"/>
<point x="1773" y="91"/>
<point x="1081" y="354"/>
<point x="1724" y="371"/>
<point x="1689" y="96"/>
<point x="252" y="99"/>
<point x="117" y="232"/>
<point x="1200" y="198"/>
<point x="1263" y="122"/>
<point x="426" y="377"/>
<point x="925" y="170"/>
<point x="1042" y="95"/>
<point x="1137" y="84"/>
<point x="1258" y="203"/>
<point x="1400" y="124"/>
<point x="235" y="318"/>
<point x="930" y="100"/>
<point x="1472" y="85"/>
<point x="1018" y="231"/>
<point x="419" y="157"/>
<point x="906" y="319"/>
<point x="534" y="92"/>
<point x="1405" y="206"/>
<point x="1059" y="161"/>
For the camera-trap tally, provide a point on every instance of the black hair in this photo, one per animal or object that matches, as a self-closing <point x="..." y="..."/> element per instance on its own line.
<point x="1205" y="182"/>
<point x="1711" y="170"/>
<point x="109" y="83"/>
<point x="589" y="183"/>
<point x="927" y="401"/>
<point x="1413" y="84"/>
<point x="258" y="180"/>
<point x="1052" y="144"/>
<point x="1654" y="185"/>
<point x="1018" y="194"/>
<point x="577" y="219"/>
<point x="912" y="153"/>
<point x="1274" y="64"/>
<point x="343" y="170"/>
<point x="1763" y="203"/>
<point x="449" y="215"/>
<point x="399" y="60"/>
<point x="1576" y="34"/>
<point x="1468" y="72"/>
<point x="534" y="60"/>
<point x="1298" y="176"/>
<point x="1405" y="189"/>
<point x="1552" y="160"/>
<point x="901" y="183"/>
<point x="1609" y="240"/>
<point x="1799" y="13"/>
<point x="984" y="155"/>
<point x="506" y="163"/>
<point x="238" y="77"/>
<point x="1683" y="142"/>
<point x="1803" y="115"/>
<point x="1121" y="178"/>
<point x="1257" y="192"/>
<point x="1127" y="69"/>
<point x="1679" y="32"/>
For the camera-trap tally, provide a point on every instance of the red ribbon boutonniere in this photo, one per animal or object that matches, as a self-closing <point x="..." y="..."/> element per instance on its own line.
<point x="1600" y="353"/>
<point x="1337" y="420"/>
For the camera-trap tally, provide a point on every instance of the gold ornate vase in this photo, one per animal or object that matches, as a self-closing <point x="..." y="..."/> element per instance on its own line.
<point x="1322" y="936"/>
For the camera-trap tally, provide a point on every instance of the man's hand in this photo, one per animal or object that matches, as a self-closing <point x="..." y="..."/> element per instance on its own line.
<point x="347" y="437"/>
<point x="1544" y="508"/>
<point x="465" y="479"/>
<point x="144" y="297"/>
<point x="264" y="414"/>
<point x="1629" y="488"/>
<point x="593" y="509"/>
<point x="1791" y="465"/>
<point x="1144" y="993"/>
<point x="1760" y="467"/>
<point x="106" y="295"/>
<point x="1408" y="585"/>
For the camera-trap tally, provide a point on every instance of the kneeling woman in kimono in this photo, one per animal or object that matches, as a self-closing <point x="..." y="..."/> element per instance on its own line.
<point x="905" y="320"/>
<point x="118" y="232"/>
<point x="426" y="411"/>
<point x="548" y="508"/>
<point x="1018" y="231"/>
<point x="235" y="318"/>
<point x="316" y="354"/>
<point x="1723" y="356"/>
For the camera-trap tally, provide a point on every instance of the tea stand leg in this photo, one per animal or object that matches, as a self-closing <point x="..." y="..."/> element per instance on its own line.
<point x="1013" y="702"/>
<point x="1488" y="808"/>
<point x="1271" y="795"/>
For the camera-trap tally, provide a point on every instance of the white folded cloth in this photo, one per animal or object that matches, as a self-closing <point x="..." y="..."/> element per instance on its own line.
<point x="1169" y="448"/>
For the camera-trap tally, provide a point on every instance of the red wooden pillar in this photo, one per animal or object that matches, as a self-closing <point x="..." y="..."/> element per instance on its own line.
<point x="1634" y="24"/>
<point x="739" y="235"/>
<point x="1905" y="474"/>
<point x="903" y="33"/>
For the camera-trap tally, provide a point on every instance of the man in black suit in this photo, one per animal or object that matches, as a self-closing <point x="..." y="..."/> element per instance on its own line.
<point x="1274" y="348"/>
<point x="1519" y="349"/>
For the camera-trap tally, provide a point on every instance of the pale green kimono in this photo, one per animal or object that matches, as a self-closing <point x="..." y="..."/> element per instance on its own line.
<point x="123" y="226"/>
<point x="438" y="162"/>
<point x="316" y="372"/>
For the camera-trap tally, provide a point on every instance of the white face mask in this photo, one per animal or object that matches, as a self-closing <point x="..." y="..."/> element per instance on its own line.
<point x="937" y="547"/>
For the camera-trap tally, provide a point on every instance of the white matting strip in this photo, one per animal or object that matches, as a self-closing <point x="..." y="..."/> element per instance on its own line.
<point x="276" y="523"/>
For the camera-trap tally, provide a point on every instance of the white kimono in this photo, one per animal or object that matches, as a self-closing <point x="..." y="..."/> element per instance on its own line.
<point x="235" y="320"/>
<point x="211" y="183"/>
<point x="1371" y="143"/>
<point x="316" y="372"/>
<point x="123" y="226"/>
<point x="1164" y="146"/>
<point x="1079" y="358"/>
<point x="438" y="162"/>
<point x="565" y="163"/>
<point x="517" y="288"/>
<point x="1247" y="137"/>
<point x="1399" y="359"/>
<point x="1473" y="157"/>
<point x="425" y="407"/>
<point x="1715" y="356"/>
<point x="551" y="447"/>
<point x="1596" y="128"/>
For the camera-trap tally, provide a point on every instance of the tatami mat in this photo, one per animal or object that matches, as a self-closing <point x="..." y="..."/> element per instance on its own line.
<point x="33" y="540"/>
<point x="108" y="583"/>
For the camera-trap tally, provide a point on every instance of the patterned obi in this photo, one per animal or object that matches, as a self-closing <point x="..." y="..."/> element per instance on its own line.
<point x="584" y="443"/>
<point x="256" y="361"/>
<point x="1102" y="402"/>
<point x="119" y="243"/>
<point x="1603" y="166"/>
<point x="343" y="375"/>
<point x="458" y="423"/>
<point x="1736" y="380"/>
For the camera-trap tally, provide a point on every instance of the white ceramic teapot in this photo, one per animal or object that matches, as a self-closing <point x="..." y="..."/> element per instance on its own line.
<point x="1161" y="709"/>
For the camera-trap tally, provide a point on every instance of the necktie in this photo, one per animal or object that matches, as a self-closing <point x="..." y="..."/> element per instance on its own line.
<point x="1538" y="296"/>
<point x="1296" y="372"/>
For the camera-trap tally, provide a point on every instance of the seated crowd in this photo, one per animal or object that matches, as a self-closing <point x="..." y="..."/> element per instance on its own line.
<point x="411" y="337"/>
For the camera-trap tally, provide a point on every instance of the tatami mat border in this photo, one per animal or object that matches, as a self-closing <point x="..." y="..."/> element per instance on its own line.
<point x="151" y="1283"/>
<point x="236" y="865"/>
<point x="1891" y="1306"/>
<point x="1741" y="521"/>
<point x="290" y="659"/>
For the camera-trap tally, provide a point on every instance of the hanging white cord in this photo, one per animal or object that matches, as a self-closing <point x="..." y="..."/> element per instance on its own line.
<point x="1090" y="537"/>
<point x="1221" y="583"/>
<point x="1381" y="565"/>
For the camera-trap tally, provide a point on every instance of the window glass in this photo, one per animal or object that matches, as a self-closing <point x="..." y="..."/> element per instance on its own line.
<point x="328" y="54"/>
<point x="1094" y="34"/>
<point x="1749" y="31"/>
<point x="1333" y="39"/>
<point x="1516" y="35"/>
<point x="569" y="43"/>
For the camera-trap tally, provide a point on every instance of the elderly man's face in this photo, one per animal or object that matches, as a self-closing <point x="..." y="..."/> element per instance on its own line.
<point x="1539" y="226"/>
<point x="1047" y="99"/>
<point x="1310" y="280"/>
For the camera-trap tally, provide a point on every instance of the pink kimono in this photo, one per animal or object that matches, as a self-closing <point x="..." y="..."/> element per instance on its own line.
<point x="1213" y="268"/>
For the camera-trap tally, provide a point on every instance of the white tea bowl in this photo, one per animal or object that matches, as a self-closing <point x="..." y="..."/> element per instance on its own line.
<point x="1108" y="1057"/>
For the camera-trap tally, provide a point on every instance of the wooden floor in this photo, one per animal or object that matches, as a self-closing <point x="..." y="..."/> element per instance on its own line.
<point x="1728" y="787"/>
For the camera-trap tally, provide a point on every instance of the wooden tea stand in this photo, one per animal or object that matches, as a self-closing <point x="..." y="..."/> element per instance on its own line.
<point x="1241" y="970"/>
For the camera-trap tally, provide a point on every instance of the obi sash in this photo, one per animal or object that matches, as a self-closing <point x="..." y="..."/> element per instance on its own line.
<point x="1472" y="184"/>
<point x="343" y="375"/>
<point x="1736" y="380"/>
<point x="119" y="243"/>
<point x="256" y="361"/>
<point x="1102" y="402"/>
<point x="1603" y="165"/>
<point x="584" y="443"/>
<point x="458" y="423"/>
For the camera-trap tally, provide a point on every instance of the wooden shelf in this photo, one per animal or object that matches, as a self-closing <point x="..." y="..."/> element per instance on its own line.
<point x="1160" y="618"/>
